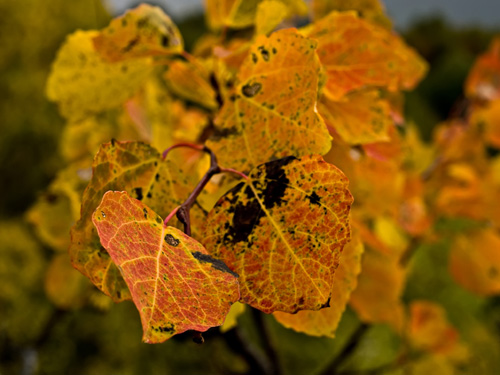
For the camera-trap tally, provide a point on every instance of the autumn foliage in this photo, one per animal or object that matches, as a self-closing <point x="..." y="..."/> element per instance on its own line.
<point x="271" y="168"/>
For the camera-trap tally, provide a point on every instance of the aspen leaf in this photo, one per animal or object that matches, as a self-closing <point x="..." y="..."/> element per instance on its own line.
<point x="269" y="15"/>
<point x="428" y="328"/>
<point x="361" y="117"/>
<point x="231" y="321"/>
<point x="65" y="287"/>
<point x="377" y="299"/>
<point x="372" y="10"/>
<point x="282" y="231"/>
<point x="239" y="14"/>
<point x="175" y="284"/>
<point x="325" y="321"/>
<point x="141" y="32"/>
<point x="356" y="53"/>
<point x="475" y="261"/>
<point x="272" y="111"/>
<point x="197" y="88"/>
<point x="82" y="83"/>
<point x="138" y="169"/>
<point x="488" y="119"/>
<point x="483" y="80"/>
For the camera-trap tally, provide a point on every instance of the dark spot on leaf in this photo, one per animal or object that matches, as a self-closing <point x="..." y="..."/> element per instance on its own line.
<point x="130" y="45"/>
<point x="113" y="142"/>
<point x="224" y="133"/>
<point x="171" y="240"/>
<point x="314" y="198"/>
<point x="149" y="195"/>
<point x="103" y="214"/>
<point x="216" y="263"/>
<point x="159" y="220"/>
<point x="169" y="328"/>
<point x="51" y="198"/>
<point x="274" y="50"/>
<point x="165" y="40"/>
<point x="138" y="193"/>
<point x="254" y="58"/>
<point x="276" y="181"/>
<point x="157" y="177"/>
<point x="264" y="52"/>
<point x="250" y="90"/>
<point x="145" y="211"/>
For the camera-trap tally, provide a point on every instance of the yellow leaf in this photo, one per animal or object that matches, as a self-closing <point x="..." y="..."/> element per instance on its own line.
<point x="475" y="261"/>
<point x="65" y="286"/>
<point x="272" y="111"/>
<point x="232" y="317"/>
<point x="269" y="15"/>
<point x="83" y="84"/>
<point x="143" y="31"/>
<point x="197" y="88"/>
<point x="488" y="120"/>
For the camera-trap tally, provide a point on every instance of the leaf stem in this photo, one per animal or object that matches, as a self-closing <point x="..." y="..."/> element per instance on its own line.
<point x="178" y="145"/>
<point x="182" y="211"/>
<point x="170" y="215"/>
<point x="231" y="170"/>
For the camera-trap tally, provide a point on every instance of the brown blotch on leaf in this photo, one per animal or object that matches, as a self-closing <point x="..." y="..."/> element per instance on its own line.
<point x="171" y="240"/>
<point x="250" y="90"/>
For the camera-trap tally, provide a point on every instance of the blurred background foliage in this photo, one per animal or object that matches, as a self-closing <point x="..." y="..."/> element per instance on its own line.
<point x="38" y="337"/>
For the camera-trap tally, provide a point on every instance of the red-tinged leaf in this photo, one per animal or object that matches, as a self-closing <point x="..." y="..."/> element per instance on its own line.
<point x="138" y="169"/>
<point x="356" y="53"/>
<point x="361" y="117"/>
<point x="272" y="111"/>
<point x="141" y="32"/>
<point x="325" y="321"/>
<point x="282" y="231"/>
<point x="483" y="80"/>
<point x="175" y="284"/>
<point x="475" y="262"/>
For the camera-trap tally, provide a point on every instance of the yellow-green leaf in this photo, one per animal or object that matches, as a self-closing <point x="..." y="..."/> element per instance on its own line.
<point x="83" y="84"/>
<point x="143" y="31"/>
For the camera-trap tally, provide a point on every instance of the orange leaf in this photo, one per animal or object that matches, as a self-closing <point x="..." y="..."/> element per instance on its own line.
<point x="282" y="231"/>
<point x="373" y="10"/>
<point x="272" y="112"/>
<point x="138" y="169"/>
<point x="143" y="31"/>
<point x="175" y="284"/>
<point x="325" y="321"/>
<point x="475" y="262"/>
<point x="356" y="53"/>
<point x="483" y="80"/>
<point x="488" y="119"/>
<point x="362" y="117"/>
<point x="429" y="330"/>
<point x="377" y="299"/>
